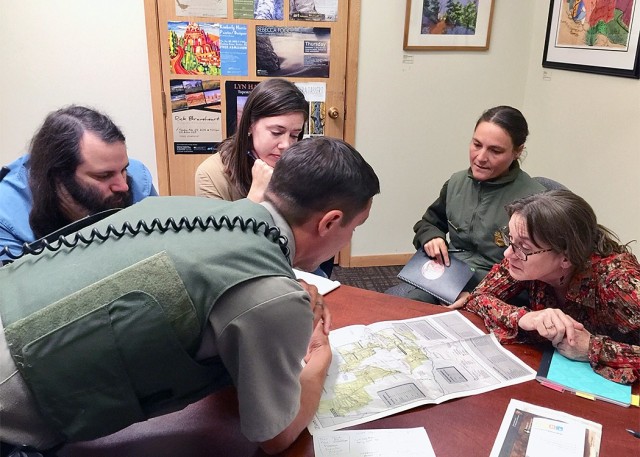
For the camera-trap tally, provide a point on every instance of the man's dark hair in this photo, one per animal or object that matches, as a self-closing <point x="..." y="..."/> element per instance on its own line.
<point x="321" y="174"/>
<point x="54" y="157"/>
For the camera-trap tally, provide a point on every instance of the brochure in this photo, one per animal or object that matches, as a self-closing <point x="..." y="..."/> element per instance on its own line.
<point x="529" y="430"/>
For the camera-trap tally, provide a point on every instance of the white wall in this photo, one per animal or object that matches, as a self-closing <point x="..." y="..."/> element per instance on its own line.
<point x="59" y="52"/>
<point x="586" y="134"/>
<point x="415" y="121"/>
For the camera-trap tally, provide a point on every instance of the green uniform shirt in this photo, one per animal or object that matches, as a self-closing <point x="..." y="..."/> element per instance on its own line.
<point x="105" y="334"/>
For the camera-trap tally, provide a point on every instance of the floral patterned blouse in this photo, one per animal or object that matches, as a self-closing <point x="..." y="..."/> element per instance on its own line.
<point x="604" y="297"/>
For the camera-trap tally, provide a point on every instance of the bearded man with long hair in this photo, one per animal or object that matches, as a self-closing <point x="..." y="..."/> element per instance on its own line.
<point x="77" y="166"/>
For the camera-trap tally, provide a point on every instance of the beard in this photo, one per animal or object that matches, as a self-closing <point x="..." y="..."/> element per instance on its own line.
<point x="91" y="199"/>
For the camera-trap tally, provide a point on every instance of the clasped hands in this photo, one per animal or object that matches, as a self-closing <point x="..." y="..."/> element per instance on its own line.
<point x="566" y="334"/>
<point x="260" y="176"/>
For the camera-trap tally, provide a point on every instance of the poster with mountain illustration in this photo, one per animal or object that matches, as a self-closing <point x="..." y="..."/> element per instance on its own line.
<point x="211" y="49"/>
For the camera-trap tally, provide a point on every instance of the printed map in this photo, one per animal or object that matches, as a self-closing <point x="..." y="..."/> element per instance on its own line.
<point x="388" y="367"/>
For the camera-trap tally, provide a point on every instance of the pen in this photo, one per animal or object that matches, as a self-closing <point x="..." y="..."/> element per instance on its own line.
<point x="455" y="250"/>
<point x="634" y="433"/>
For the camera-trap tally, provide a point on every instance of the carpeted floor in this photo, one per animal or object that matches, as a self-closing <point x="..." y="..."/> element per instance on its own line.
<point x="377" y="279"/>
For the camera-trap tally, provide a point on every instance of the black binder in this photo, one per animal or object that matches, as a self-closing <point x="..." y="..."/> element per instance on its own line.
<point x="443" y="282"/>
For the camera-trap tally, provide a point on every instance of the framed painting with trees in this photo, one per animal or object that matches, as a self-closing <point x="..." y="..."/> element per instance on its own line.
<point x="448" y="25"/>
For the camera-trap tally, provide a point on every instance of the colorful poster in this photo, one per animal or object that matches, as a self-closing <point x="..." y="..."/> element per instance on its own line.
<point x="605" y="25"/>
<point x="317" y="113"/>
<point x="204" y="8"/>
<point x="236" y="93"/>
<point x="243" y="9"/>
<point x="292" y="51"/>
<point x="194" y="48"/>
<point x="198" y="48"/>
<point x="195" y="115"/>
<point x="271" y="10"/>
<point x="316" y="95"/>
<point x="233" y="50"/>
<point x="313" y="10"/>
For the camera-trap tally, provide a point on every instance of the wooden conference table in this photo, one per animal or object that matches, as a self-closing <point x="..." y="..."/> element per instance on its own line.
<point x="462" y="427"/>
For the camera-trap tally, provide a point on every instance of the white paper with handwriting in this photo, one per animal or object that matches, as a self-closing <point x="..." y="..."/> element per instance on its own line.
<point x="400" y="442"/>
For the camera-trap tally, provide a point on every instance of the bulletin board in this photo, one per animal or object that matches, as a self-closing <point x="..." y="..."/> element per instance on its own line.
<point x="204" y="53"/>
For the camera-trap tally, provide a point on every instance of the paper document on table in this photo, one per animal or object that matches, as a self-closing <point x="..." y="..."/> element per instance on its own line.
<point x="324" y="285"/>
<point x="407" y="442"/>
<point x="533" y="431"/>
<point x="549" y="437"/>
<point x="388" y="367"/>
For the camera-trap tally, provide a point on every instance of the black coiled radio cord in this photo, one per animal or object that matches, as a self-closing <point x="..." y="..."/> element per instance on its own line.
<point x="70" y="241"/>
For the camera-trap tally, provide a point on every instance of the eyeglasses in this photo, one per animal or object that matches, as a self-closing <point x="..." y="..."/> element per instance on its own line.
<point x="518" y="252"/>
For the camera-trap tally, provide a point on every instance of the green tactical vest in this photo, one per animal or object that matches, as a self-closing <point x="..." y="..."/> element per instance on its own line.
<point x="475" y="214"/>
<point x="105" y="334"/>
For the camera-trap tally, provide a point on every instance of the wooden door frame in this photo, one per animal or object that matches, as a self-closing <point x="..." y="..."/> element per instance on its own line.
<point x="158" y="106"/>
<point x="158" y="97"/>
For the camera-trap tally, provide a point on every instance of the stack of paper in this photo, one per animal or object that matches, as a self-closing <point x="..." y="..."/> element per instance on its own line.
<point x="560" y="373"/>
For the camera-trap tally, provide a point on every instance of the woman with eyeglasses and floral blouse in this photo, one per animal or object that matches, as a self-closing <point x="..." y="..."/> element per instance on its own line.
<point x="583" y="286"/>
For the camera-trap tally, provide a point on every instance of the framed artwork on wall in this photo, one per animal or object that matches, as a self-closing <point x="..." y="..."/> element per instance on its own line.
<point x="594" y="36"/>
<point x="441" y="25"/>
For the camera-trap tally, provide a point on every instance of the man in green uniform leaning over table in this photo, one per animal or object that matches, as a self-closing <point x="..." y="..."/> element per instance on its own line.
<point x="108" y="333"/>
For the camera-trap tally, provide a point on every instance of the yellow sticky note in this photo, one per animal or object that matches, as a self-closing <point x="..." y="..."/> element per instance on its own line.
<point x="585" y="395"/>
<point x="635" y="400"/>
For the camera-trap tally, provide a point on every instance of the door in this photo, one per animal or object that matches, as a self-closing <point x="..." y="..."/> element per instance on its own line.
<point x="176" y="164"/>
